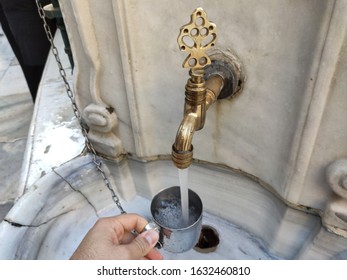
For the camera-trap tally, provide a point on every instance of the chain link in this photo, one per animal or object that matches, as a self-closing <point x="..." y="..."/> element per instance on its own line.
<point x="89" y="145"/>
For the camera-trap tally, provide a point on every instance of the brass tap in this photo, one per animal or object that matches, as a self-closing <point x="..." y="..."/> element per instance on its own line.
<point x="195" y="37"/>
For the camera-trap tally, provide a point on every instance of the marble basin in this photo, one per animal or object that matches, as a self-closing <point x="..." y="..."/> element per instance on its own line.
<point x="50" y="220"/>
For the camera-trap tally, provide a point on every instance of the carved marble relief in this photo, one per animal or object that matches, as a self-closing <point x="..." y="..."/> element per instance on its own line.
<point x="102" y="122"/>
<point x="335" y="214"/>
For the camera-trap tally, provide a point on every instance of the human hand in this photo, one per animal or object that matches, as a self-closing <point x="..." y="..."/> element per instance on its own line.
<point x="111" y="238"/>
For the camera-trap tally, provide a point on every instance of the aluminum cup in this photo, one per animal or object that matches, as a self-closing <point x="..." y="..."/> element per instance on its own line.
<point x="174" y="237"/>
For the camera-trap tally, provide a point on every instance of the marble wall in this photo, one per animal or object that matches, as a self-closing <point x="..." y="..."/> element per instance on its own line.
<point x="128" y="59"/>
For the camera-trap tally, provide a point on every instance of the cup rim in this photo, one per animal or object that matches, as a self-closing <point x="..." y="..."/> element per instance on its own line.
<point x="177" y="229"/>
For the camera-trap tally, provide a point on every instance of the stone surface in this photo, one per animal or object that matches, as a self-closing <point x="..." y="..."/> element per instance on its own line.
<point x="55" y="136"/>
<point x="4" y="208"/>
<point x="16" y="108"/>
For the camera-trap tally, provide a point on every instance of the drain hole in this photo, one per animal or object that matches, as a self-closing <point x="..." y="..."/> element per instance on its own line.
<point x="208" y="240"/>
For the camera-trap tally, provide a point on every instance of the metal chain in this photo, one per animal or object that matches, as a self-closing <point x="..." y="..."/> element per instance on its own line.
<point x="89" y="145"/>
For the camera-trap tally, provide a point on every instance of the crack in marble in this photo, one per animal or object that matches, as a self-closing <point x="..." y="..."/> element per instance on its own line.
<point x="266" y="186"/>
<point x="81" y="193"/>
<point x="15" y="224"/>
<point x="3" y="141"/>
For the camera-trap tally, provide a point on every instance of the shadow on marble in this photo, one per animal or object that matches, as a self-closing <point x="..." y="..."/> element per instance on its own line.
<point x="4" y="209"/>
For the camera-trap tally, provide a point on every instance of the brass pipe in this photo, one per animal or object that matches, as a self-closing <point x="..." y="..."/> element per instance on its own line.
<point x="195" y="100"/>
<point x="214" y="86"/>
<point x="194" y="116"/>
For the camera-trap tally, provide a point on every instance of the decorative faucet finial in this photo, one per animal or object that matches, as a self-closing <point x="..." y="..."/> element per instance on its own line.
<point x="197" y="37"/>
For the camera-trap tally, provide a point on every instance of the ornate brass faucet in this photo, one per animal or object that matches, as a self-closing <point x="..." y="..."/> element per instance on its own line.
<point x="196" y="37"/>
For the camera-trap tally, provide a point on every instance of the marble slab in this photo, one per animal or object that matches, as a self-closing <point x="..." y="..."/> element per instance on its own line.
<point x="6" y="53"/>
<point x="11" y="159"/>
<point x="12" y="80"/>
<point x="16" y="108"/>
<point x="15" y="118"/>
<point x="54" y="134"/>
<point x="4" y="208"/>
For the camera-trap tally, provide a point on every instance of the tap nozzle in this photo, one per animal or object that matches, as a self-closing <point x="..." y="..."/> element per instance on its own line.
<point x="182" y="159"/>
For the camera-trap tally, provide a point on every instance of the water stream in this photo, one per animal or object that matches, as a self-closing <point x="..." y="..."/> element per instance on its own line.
<point x="183" y="178"/>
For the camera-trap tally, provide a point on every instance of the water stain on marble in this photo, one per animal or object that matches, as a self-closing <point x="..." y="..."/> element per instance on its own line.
<point x="47" y="149"/>
<point x="43" y="173"/>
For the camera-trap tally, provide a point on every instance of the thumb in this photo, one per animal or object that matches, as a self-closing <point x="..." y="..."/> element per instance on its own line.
<point x="142" y="244"/>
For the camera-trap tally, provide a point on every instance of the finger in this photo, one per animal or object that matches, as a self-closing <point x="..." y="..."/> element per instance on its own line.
<point x="128" y="237"/>
<point x="129" y="222"/>
<point x="154" y="254"/>
<point x="142" y="244"/>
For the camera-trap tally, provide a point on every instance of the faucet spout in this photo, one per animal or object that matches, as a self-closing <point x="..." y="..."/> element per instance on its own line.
<point x="182" y="149"/>
<point x="194" y="117"/>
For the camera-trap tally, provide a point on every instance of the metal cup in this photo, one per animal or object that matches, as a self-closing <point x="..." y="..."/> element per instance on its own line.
<point x="175" y="235"/>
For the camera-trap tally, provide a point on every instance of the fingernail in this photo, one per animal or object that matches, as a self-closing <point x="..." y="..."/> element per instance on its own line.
<point x="151" y="236"/>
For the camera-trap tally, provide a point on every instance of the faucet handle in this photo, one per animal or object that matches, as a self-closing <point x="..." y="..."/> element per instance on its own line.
<point x="197" y="37"/>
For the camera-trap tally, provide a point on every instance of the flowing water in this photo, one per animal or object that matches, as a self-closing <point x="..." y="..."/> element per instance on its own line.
<point x="183" y="177"/>
<point x="169" y="214"/>
<point x="176" y="212"/>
